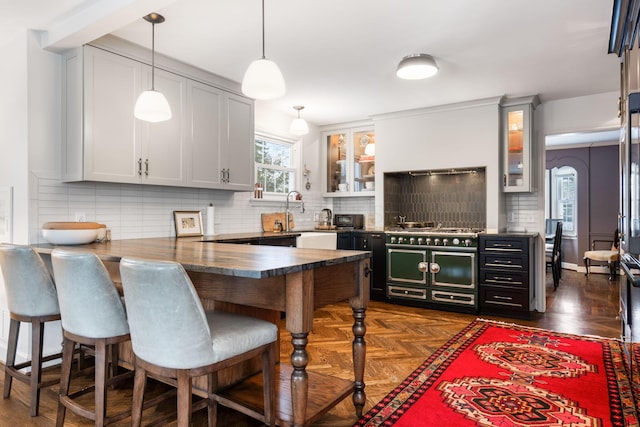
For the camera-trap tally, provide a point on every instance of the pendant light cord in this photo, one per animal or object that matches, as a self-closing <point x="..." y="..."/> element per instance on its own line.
<point x="153" y="56"/>
<point x="263" y="57"/>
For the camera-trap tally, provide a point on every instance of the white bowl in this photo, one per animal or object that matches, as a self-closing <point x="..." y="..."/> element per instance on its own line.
<point x="70" y="237"/>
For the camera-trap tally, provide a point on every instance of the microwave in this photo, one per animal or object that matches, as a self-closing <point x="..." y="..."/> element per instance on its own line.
<point x="354" y="221"/>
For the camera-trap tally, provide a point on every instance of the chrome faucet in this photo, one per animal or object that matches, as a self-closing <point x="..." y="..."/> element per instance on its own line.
<point x="286" y="210"/>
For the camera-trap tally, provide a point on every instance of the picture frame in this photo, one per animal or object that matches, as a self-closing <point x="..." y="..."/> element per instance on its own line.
<point x="6" y="215"/>
<point x="188" y="223"/>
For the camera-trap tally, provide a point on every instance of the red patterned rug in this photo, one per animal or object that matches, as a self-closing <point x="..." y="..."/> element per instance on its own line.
<point x="496" y="374"/>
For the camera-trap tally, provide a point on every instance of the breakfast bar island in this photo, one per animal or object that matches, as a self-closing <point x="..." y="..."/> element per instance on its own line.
<point x="266" y="281"/>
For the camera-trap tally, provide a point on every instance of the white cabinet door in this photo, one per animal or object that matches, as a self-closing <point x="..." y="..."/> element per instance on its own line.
<point x="238" y="147"/>
<point x="205" y="125"/>
<point x="111" y="87"/>
<point x="164" y="143"/>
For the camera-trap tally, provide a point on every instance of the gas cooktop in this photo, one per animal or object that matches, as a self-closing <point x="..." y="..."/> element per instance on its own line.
<point x="436" y="230"/>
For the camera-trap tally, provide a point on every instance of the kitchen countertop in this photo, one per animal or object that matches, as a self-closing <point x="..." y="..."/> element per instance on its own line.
<point x="203" y="254"/>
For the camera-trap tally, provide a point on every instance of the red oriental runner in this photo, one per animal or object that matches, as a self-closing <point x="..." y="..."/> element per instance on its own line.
<point x="496" y="374"/>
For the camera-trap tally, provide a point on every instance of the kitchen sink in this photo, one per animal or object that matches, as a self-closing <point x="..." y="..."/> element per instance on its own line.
<point x="314" y="240"/>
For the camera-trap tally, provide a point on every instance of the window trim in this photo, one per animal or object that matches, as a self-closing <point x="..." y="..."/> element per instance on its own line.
<point x="296" y="161"/>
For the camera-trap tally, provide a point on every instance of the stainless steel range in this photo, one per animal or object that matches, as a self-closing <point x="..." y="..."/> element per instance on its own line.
<point x="433" y="267"/>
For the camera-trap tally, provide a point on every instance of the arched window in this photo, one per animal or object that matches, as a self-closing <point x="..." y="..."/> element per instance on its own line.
<point x="562" y="198"/>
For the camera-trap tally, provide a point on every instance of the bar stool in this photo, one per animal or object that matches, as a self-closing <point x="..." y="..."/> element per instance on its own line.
<point x="174" y="338"/>
<point x="31" y="298"/>
<point x="92" y="315"/>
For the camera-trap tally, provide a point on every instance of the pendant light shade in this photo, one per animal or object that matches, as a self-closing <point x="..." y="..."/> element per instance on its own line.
<point x="263" y="79"/>
<point x="152" y="106"/>
<point x="299" y="125"/>
<point x="417" y="66"/>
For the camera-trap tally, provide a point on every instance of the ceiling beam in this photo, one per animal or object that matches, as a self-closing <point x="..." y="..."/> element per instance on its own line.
<point x="94" y="21"/>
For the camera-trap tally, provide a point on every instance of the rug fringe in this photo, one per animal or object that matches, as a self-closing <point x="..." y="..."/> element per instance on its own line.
<point x="535" y="328"/>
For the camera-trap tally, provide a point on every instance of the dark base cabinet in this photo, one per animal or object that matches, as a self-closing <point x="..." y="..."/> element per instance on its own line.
<point x="505" y="274"/>
<point x="374" y="242"/>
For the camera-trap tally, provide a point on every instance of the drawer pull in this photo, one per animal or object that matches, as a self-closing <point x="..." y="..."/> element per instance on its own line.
<point x="508" y="279"/>
<point x="502" y="245"/>
<point x="503" y="298"/>
<point x="503" y="282"/>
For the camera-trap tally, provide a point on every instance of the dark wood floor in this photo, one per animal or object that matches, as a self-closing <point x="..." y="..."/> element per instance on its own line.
<point x="398" y="340"/>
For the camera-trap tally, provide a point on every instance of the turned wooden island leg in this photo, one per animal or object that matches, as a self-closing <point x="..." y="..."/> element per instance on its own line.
<point x="359" y="357"/>
<point x="299" y="308"/>
<point x="359" y="306"/>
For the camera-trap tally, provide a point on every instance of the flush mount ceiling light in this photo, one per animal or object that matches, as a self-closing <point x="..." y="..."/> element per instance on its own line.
<point x="299" y="126"/>
<point x="263" y="79"/>
<point x="417" y="66"/>
<point x="151" y="105"/>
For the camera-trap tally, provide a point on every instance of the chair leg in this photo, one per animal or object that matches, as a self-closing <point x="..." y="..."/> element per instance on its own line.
<point x="37" y="339"/>
<point x="68" y="347"/>
<point x="12" y="346"/>
<point x="212" y="404"/>
<point x="269" y="384"/>
<point x="586" y="265"/>
<point x="139" y="383"/>
<point x="184" y="398"/>
<point x="101" y="382"/>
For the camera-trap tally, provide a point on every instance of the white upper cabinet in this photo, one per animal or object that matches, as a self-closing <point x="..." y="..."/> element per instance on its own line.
<point x="208" y="142"/>
<point x="349" y="162"/>
<point x="517" y="133"/>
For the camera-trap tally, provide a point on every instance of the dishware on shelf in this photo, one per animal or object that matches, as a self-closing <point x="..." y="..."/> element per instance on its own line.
<point x="342" y="187"/>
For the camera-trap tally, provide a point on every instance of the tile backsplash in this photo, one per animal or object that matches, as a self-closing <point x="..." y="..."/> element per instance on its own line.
<point x="451" y="199"/>
<point x="135" y="211"/>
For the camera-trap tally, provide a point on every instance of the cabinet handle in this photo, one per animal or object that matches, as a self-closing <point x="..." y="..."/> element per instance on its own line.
<point x="502" y="245"/>
<point x="228" y="175"/>
<point x="504" y="180"/>
<point x="146" y="167"/>
<point x="503" y="298"/>
<point x="140" y="166"/>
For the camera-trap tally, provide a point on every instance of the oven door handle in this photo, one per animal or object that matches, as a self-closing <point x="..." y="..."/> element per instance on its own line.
<point x="423" y="266"/>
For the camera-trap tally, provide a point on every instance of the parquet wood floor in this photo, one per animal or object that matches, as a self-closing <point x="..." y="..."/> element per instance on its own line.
<point x="398" y="340"/>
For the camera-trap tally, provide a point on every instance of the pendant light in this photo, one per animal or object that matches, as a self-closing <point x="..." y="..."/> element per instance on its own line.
<point x="299" y="126"/>
<point x="151" y="105"/>
<point x="263" y="79"/>
<point x="417" y="66"/>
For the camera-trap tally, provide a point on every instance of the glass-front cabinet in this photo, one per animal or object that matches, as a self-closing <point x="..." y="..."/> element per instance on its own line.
<point x="517" y="131"/>
<point x="350" y="162"/>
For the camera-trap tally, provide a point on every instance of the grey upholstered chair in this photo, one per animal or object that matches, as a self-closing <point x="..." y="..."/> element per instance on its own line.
<point x="31" y="298"/>
<point x="173" y="337"/>
<point x="92" y="315"/>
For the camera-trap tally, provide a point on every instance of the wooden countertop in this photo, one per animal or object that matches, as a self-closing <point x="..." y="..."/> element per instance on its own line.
<point x="199" y="254"/>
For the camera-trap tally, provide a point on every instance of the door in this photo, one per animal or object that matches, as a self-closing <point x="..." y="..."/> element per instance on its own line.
<point x="238" y="147"/>
<point x="407" y="265"/>
<point x="205" y="113"/>
<point x="163" y="143"/>
<point x="111" y="132"/>
<point x="453" y="269"/>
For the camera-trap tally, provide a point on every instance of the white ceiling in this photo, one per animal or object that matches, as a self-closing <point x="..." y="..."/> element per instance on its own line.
<point x="338" y="57"/>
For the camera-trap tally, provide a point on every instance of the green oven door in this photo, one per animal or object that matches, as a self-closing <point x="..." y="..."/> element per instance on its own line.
<point x="453" y="269"/>
<point x="407" y="265"/>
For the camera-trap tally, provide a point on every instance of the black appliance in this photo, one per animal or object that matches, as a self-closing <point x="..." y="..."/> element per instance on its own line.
<point x="433" y="268"/>
<point x="349" y="221"/>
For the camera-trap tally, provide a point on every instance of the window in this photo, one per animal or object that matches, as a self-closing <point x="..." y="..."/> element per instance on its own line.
<point x="563" y="199"/>
<point x="276" y="164"/>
